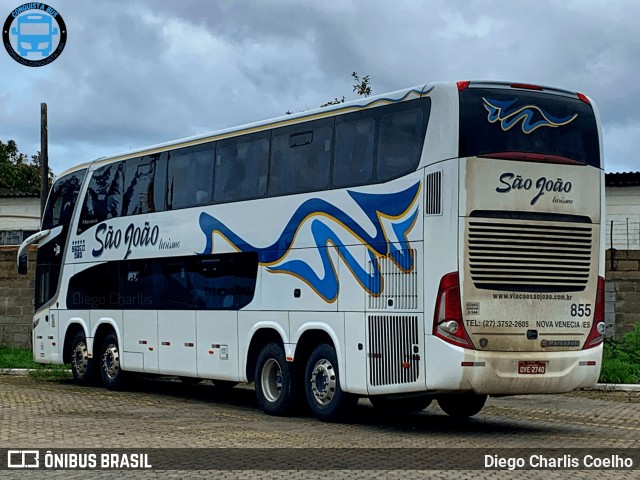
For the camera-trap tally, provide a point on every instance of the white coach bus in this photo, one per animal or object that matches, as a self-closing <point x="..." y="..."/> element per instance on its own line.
<point x="440" y="242"/>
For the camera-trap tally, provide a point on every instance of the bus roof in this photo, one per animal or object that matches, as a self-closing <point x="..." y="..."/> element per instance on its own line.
<point x="355" y="105"/>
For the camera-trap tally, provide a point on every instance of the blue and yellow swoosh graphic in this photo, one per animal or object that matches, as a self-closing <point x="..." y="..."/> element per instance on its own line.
<point x="532" y="116"/>
<point x="325" y="220"/>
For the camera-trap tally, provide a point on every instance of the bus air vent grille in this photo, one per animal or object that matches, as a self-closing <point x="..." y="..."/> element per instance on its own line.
<point x="393" y="349"/>
<point x="433" y="194"/>
<point x="399" y="288"/>
<point x="520" y="256"/>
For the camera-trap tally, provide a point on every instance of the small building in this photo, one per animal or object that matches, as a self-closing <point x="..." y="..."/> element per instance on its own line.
<point x="19" y="216"/>
<point x="622" y="226"/>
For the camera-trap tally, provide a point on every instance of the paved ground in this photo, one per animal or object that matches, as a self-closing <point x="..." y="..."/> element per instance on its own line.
<point x="45" y="414"/>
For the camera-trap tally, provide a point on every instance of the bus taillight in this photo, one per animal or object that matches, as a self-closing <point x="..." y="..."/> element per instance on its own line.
<point x="596" y="335"/>
<point x="463" y="85"/>
<point x="447" y="320"/>
<point x="584" y="98"/>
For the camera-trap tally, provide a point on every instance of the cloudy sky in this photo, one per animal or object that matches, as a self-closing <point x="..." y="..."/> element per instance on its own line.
<point x="141" y="72"/>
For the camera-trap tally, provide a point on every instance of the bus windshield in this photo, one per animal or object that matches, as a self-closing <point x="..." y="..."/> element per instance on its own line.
<point x="62" y="200"/>
<point x="527" y="125"/>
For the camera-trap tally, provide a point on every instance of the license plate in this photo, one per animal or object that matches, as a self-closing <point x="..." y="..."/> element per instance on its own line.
<point x="532" y="368"/>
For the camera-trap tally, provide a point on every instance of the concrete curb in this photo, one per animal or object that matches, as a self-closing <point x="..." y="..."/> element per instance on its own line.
<point x="607" y="387"/>
<point x="15" y="371"/>
<point x="23" y="372"/>
<point x="617" y="387"/>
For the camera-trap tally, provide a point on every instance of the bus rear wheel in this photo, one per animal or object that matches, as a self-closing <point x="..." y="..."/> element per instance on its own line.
<point x="325" y="398"/>
<point x="81" y="364"/>
<point x="276" y="391"/>
<point x="462" y="405"/>
<point x="113" y="377"/>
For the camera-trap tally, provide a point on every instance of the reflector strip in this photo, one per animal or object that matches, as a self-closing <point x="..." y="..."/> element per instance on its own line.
<point x="472" y="364"/>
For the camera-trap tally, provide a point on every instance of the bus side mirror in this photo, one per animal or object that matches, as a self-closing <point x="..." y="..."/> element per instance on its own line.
<point x="55" y="31"/>
<point x="24" y="247"/>
<point x="14" y="30"/>
<point x="22" y="264"/>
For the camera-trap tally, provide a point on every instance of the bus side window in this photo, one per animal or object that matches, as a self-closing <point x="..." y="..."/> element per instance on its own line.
<point x="104" y="196"/>
<point x="301" y="158"/>
<point x="242" y="166"/>
<point x="353" y="159"/>
<point x="399" y="143"/>
<point x="141" y="175"/>
<point x="190" y="176"/>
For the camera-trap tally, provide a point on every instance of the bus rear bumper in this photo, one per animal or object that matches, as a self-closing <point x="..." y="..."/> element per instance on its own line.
<point x="502" y="373"/>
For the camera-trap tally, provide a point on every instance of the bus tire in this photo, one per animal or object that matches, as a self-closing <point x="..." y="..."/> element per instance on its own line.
<point x="325" y="398"/>
<point x="275" y="381"/>
<point x="398" y="406"/>
<point x="82" y="366"/>
<point x="113" y="377"/>
<point x="462" y="405"/>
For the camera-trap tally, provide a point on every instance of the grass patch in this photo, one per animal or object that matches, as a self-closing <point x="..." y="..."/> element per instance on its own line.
<point x="621" y="359"/>
<point x="11" y="357"/>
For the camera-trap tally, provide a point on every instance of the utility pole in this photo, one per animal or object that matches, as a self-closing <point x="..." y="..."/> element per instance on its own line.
<point x="44" y="158"/>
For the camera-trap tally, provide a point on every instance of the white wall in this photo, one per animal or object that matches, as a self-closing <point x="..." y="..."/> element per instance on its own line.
<point x="623" y="208"/>
<point x="19" y="213"/>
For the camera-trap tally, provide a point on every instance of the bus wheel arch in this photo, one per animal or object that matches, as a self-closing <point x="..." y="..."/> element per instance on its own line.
<point x="259" y="340"/>
<point x="72" y="330"/>
<point x="308" y="342"/>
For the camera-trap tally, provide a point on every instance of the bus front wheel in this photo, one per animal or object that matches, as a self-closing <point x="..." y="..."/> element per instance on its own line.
<point x="81" y="364"/>
<point x="325" y="398"/>
<point x="113" y="376"/>
<point x="462" y="405"/>
<point x="275" y="383"/>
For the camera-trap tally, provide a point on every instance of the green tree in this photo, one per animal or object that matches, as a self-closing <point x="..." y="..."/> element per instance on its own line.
<point x="18" y="171"/>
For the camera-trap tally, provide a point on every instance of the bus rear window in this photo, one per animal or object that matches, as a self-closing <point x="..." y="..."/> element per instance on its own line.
<point x="509" y="123"/>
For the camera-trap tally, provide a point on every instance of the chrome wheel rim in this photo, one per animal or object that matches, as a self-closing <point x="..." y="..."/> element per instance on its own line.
<point x="271" y="380"/>
<point x="80" y="358"/>
<point x="323" y="381"/>
<point x="111" y="361"/>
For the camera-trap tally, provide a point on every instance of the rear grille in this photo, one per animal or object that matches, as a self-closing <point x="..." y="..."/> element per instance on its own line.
<point x="519" y="256"/>
<point x="393" y="349"/>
